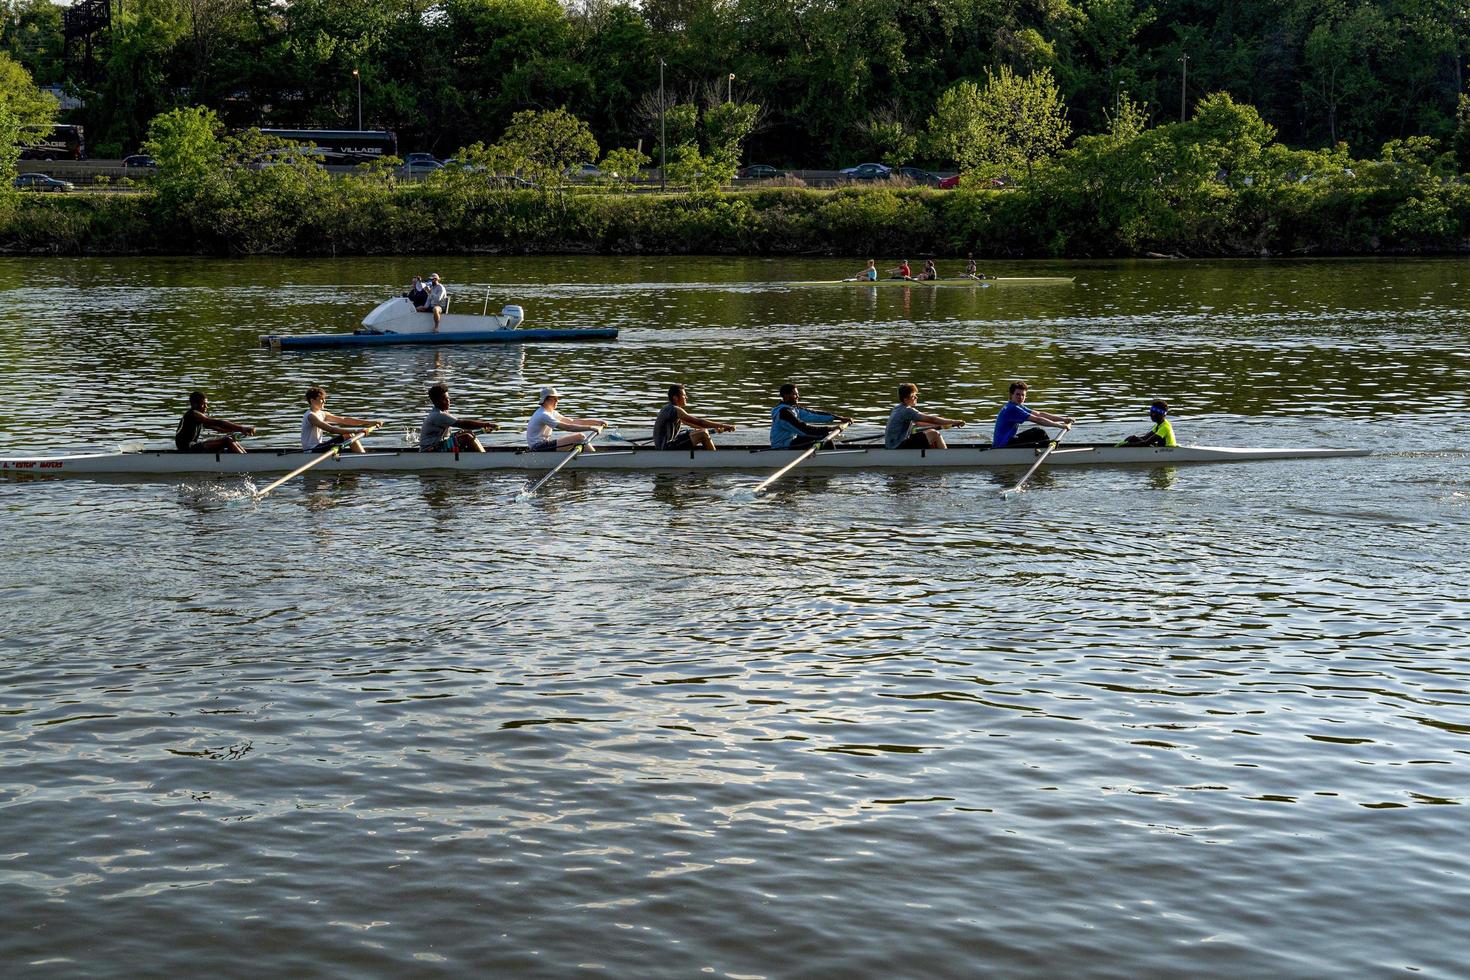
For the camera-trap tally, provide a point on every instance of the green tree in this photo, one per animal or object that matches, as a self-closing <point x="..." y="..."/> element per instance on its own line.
<point x="9" y="146"/>
<point x="622" y="165"/>
<point x="1012" y="122"/>
<point x="188" y="145"/>
<point x="29" y="105"/>
<point x="541" y="146"/>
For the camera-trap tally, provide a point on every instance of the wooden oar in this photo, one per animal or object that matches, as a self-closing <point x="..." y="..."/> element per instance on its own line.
<point x="800" y="459"/>
<point x="321" y="457"/>
<point x="1037" y="465"/>
<point x="576" y="451"/>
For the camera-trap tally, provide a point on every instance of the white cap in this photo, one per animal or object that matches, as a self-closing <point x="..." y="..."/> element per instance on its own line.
<point x="548" y="392"/>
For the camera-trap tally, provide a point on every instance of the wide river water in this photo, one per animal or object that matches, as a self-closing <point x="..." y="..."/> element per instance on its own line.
<point x="1182" y="721"/>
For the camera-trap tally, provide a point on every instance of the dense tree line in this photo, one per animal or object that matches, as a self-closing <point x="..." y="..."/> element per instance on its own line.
<point x="836" y="80"/>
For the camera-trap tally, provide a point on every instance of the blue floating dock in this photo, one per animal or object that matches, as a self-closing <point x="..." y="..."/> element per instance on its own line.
<point x="299" y="341"/>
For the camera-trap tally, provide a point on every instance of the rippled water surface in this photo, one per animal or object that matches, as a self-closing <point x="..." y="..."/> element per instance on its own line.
<point x="1188" y="721"/>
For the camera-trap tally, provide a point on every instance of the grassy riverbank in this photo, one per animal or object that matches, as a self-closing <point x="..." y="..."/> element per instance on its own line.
<point x="1051" y="219"/>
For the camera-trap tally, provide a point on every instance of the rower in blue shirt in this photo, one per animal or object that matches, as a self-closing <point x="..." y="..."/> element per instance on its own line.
<point x="1015" y="412"/>
<point x="792" y="425"/>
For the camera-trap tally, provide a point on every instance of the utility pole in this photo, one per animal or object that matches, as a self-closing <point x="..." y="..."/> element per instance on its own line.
<point x="1183" y="84"/>
<point x="663" y="133"/>
<point x="358" y="75"/>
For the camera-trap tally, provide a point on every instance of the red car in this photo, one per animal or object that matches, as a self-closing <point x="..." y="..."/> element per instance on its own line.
<point x="949" y="183"/>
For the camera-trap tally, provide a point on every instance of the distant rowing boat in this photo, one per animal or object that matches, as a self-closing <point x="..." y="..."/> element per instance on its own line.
<point x="953" y="281"/>
<point x="844" y="457"/>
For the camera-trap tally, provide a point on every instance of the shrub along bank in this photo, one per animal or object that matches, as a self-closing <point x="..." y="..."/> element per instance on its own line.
<point x="1051" y="219"/>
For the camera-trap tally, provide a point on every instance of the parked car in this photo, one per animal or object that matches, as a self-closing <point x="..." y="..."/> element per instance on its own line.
<point x="919" y="176"/>
<point x="950" y="182"/>
<point x="868" y="171"/>
<point x="585" y="172"/>
<point x="419" y="168"/>
<point x="510" y="182"/>
<point x="419" y="157"/>
<point x="762" y="171"/>
<point x="42" y="183"/>
<point x="139" y="160"/>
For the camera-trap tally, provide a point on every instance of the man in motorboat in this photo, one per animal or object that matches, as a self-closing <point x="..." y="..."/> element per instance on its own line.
<point x="669" y="430"/>
<point x="197" y="419"/>
<point x="793" y="426"/>
<point x="1015" y="412"/>
<point x="434" y="434"/>
<point x="436" y="301"/>
<point x="1161" y="433"/>
<point x="902" y="431"/>
<point x="321" y="430"/>
<point x="418" y="293"/>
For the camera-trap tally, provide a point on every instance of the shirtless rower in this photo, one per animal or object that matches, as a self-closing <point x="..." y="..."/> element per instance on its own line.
<point x="321" y="430"/>
<point x="668" y="427"/>
<point x="434" y="435"/>
<point x="196" y="419"/>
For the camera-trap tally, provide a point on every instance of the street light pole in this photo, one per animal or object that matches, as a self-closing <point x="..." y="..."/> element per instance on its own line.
<point x="729" y="87"/>
<point x="1183" y="84"/>
<point x="358" y="75"/>
<point x="663" y="133"/>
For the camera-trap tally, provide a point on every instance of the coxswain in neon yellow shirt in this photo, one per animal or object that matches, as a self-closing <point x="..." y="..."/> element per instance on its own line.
<point x="1161" y="434"/>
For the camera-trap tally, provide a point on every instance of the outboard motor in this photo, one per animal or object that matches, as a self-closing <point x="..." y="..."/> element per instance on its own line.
<point x="513" y="315"/>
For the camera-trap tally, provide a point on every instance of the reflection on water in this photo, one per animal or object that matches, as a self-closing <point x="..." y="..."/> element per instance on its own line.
<point x="873" y="723"/>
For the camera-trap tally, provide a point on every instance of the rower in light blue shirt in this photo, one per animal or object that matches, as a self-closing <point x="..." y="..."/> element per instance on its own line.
<point x="792" y="425"/>
<point x="1015" y="412"/>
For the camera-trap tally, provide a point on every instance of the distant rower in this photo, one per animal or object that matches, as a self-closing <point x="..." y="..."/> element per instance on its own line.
<point x="792" y="425"/>
<point x="1015" y="412"/>
<point x="196" y="419"/>
<point x="673" y="416"/>
<point x="1161" y="434"/>
<point x="930" y="273"/>
<point x="434" y="436"/>
<point x="870" y="274"/>
<point x="901" y="432"/>
<point x="901" y="271"/>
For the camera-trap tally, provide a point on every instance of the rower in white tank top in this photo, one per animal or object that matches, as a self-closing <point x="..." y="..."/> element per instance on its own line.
<point x="318" y="425"/>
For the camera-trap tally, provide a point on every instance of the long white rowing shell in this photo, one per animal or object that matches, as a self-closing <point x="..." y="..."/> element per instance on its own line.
<point x="162" y="462"/>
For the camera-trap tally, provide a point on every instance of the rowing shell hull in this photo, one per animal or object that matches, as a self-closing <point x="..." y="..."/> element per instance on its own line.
<point x="971" y="283"/>
<point x="314" y="340"/>
<point x="738" y="458"/>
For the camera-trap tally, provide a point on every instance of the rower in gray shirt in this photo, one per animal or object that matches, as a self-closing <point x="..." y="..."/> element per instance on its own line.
<point x="674" y="416"/>
<point x="434" y="434"/>
<point x="900" y="433"/>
